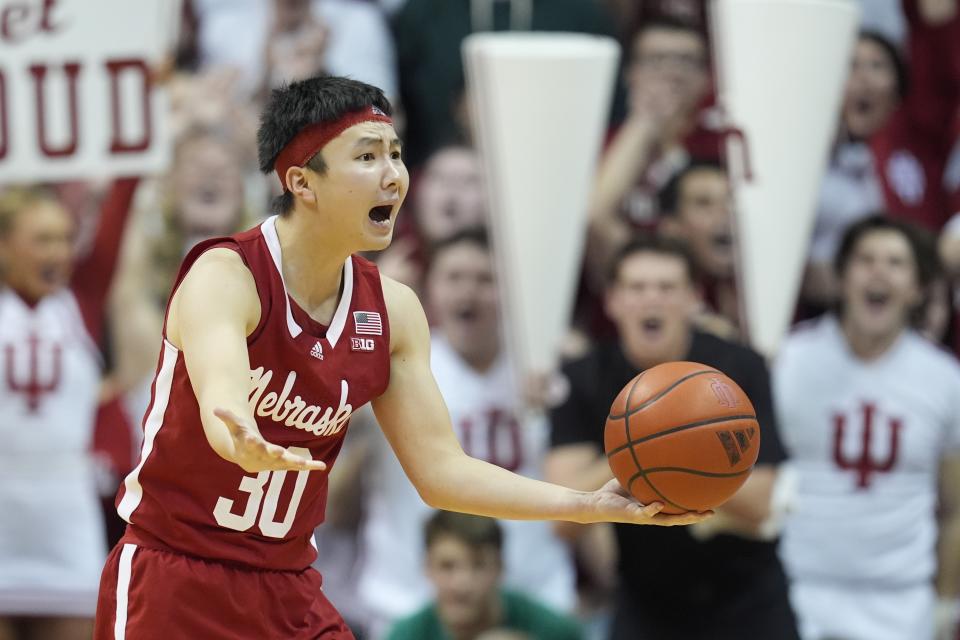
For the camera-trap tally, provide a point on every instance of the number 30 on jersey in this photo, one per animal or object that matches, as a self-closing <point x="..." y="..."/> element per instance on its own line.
<point x="254" y="486"/>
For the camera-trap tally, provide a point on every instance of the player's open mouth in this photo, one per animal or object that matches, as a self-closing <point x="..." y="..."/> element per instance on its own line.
<point x="381" y="214"/>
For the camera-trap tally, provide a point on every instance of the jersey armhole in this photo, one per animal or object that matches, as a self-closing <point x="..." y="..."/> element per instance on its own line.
<point x="191" y="258"/>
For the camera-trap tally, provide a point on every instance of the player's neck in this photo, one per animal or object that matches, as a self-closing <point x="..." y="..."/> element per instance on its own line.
<point x="868" y="347"/>
<point x="312" y="269"/>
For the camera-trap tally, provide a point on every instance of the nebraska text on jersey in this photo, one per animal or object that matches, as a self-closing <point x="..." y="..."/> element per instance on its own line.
<point x="296" y="412"/>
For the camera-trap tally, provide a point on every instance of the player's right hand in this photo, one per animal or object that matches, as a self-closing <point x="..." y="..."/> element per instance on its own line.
<point x="254" y="454"/>
<point x="612" y="504"/>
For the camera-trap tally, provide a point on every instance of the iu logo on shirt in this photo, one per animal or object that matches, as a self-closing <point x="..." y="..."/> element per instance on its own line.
<point x="864" y="462"/>
<point x="28" y="379"/>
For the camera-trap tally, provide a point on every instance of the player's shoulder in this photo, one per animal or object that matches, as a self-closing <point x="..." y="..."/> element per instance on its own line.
<point x="398" y="297"/>
<point x="408" y="322"/>
<point x="218" y="261"/>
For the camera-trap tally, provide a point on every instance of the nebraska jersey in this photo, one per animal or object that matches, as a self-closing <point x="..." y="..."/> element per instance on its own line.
<point x="485" y="411"/>
<point x="866" y="439"/>
<point x="305" y="381"/>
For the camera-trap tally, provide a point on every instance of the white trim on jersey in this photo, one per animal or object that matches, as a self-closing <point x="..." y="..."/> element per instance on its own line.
<point x="123" y="590"/>
<point x="339" y="320"/>
<point x="269" y="231"/>
<point x="134" y="492"/>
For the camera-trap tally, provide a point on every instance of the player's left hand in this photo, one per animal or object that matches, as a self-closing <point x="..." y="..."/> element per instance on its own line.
<point x="611" y="503"/>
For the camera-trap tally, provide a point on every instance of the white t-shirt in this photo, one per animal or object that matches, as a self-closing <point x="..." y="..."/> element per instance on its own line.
<point x="52" y="542"/>
<point x="484" y="408"/>
<point x="866" y="439"/>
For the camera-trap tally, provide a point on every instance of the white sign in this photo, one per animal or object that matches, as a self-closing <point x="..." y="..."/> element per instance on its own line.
<point x="781" y="65"/>
<point x="77" y="97"/>
<point x="540" y="104"/>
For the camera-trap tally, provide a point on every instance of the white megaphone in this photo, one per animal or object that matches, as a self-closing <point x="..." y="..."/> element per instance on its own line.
<point x="540" y="103"/>
<point x="780" y="66"/>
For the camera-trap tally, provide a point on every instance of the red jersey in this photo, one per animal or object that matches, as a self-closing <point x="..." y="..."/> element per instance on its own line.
<point x="305" y="381"/>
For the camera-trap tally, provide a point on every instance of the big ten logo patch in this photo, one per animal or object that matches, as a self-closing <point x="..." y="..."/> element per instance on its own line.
<point x="361" y="344"/>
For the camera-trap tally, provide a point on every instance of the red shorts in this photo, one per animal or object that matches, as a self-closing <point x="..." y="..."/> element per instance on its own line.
<point x="148" y="594"/>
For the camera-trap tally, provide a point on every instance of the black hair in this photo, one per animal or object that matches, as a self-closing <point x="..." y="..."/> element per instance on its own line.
<point x="474" y="531"/>
<point x="668" y="199"/>
<point x="896" y="58"/>
<point x="656" y="244"/>
<point x="292" y="107"/>
<point x="922" y="245"/>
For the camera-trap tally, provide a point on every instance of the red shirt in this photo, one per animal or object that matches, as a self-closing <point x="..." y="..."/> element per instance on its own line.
<point x="910" y="151"/>
<point x="306" y="380"/>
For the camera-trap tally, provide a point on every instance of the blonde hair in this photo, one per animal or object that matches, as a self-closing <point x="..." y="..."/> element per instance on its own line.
<point x="14" y="200"/>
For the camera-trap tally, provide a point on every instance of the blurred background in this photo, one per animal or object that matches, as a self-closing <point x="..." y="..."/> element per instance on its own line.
<point x="127" y="135"/>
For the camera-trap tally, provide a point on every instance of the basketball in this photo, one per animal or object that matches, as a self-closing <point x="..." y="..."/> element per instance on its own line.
<point x="683" y="434"/>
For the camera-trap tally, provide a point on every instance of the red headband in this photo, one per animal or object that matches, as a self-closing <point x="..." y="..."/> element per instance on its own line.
<point x="315" y="136"/>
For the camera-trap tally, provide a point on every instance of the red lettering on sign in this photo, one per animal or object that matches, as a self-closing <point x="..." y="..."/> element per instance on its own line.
<point x="72" y="70"/>
<point x="18" y="21"/>
<point x="115" y="68"/>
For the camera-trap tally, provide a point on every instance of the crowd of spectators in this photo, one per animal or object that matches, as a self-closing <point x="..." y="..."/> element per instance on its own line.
<point x="879" y="297"/>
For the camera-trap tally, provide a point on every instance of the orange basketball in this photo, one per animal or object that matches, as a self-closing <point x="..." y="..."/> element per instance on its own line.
<point x="683" y="434"/>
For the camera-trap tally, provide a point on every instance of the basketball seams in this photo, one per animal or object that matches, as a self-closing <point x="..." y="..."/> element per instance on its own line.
<point x="626" y="427"/>
<point x="697" y="472"/>
<point x="662" y="393"/>
<point x="641" y="473"/>
<point x="673" y="475"/>
<point x="682" y="427"/>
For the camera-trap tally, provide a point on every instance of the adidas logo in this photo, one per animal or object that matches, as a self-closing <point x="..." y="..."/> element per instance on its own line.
<point x="736" y="443"/>
<point x="317" y="351"/>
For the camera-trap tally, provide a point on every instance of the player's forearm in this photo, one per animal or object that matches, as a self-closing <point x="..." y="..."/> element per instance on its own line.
<point x="462" y="483"/>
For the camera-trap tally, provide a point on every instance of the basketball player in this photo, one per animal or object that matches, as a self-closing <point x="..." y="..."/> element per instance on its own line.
<point x="272" y="337"/>
<point x="869" y="412"/>
<point x="52" y="540"/>
<point x="478" y="386"/>
<point x="675" y="584"/>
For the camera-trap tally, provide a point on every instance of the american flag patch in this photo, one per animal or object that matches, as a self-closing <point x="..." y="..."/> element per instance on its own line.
<point x="368" y="323"/>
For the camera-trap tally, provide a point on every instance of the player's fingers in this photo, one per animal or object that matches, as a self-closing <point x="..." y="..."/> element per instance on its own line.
<point x="682" y="519"/>
<point x="293" y="462"/>
<point x="652" y="509"/>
